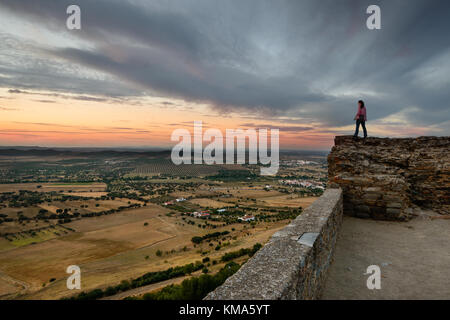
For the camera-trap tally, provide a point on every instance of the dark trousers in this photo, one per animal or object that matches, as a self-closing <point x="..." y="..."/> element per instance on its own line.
<point x="363" y="124"/>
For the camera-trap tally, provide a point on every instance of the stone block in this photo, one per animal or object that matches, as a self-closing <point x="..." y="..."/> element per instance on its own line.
<point x="362" y="209"/>
<point x="394" y="205"/>
<point x="393" y="211"/>
<point x="363" y="215"/>
<point x="393" y="174"/>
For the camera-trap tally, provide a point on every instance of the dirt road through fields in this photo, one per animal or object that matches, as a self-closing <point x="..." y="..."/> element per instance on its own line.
<point x="11" y="285"/>
<point x="145" y="289"/>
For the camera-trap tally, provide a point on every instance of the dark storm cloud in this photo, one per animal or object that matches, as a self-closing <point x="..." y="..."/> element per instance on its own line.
<point x="308" y="59"/>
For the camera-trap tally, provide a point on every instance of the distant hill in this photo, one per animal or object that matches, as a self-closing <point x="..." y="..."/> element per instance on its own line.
<point x="16" y="151"/>
<point x="78" y="152"/>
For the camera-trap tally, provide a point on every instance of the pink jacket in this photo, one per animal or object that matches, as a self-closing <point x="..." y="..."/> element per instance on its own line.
<point x="361" y="112"/>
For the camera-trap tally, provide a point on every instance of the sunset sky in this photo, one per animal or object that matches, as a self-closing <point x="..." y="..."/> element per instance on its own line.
<point x="137" y="70"/>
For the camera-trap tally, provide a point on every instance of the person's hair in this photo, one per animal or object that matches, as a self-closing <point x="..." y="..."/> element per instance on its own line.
<point x="361" y="103"/>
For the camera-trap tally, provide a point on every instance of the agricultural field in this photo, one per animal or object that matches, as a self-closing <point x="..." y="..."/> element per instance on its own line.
<point x="166" y="167"/>
<point x="209" y="203"/>
<point x="121" y="216"/>
<point x="83" y="188"/>
<point x="291" y="201"/>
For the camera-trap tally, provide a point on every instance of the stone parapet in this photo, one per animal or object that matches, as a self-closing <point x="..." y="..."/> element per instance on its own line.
<point x="294" y="263"/>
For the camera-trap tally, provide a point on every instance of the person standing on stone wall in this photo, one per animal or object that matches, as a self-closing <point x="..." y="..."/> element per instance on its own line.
<point x="361" y="118"/>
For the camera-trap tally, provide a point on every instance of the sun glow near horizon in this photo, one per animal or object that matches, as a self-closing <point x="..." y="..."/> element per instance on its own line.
<point x="55" y="119"/>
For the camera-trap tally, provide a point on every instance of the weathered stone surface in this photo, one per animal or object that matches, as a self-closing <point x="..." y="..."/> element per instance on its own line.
<point x="380" y="179"/>
<point x="290" y="266"/>
<point x="308" y="238"/>
<point x="389" y="175"/>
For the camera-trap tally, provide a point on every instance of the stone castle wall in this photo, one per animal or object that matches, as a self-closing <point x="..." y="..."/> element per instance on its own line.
<point x="373" y="178"/>
<point x="382" y="178"/>
<point x="294" y="263"/>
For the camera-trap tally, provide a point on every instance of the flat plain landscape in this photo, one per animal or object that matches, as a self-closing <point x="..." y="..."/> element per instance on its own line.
<point x="119" y="217"/>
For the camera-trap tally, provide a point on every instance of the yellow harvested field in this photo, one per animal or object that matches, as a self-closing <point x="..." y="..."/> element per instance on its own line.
<point x="118" y="229"/>
<point x="112" y="248"/>
<point x="134" y="234"/>
<point x="8" y="286"/>
<point x="5" y="244"/>
<point x="87" y="194"/>
<point x="204" y="202"/>
<point x="127" y="216"/>
<point x="289" y="201"/>
<point x="48" y="187"/>
<point x="91" y="205"/>
<point x="101" y="237"/>
<point x="251" y="192"/>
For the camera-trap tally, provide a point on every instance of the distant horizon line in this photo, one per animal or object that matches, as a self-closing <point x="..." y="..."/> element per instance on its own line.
<point x="118" y="148"/>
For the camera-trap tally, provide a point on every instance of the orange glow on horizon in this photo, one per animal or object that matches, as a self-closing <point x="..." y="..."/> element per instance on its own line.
<point x="29" y="119"/>
<point x="57" y="120"/>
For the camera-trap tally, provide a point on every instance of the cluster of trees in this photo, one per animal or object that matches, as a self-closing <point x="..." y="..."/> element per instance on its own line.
<point x="242" y="252"/>
<point x="26" y="198"/>
<point x="126" y="195"/>
<point x="5" y="218"/>
<point x="146" y="279"/>
<point x="248" y="208"/>
<point x="213" y="235"/>
<point x="145" y="187"/>
<point x="315" y="192"/>
<point x="280" y="215"/>
<point x="233" y="175"/>
<point x="195" y="288"/>
<point x="63" y="216"/>
<point x="110" y="211"/>
<point x="23" y="198"/>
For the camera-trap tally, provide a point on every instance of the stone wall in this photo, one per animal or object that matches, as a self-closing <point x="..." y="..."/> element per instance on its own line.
<point x="294" y="263"/>
<point x="383" y="178"/>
